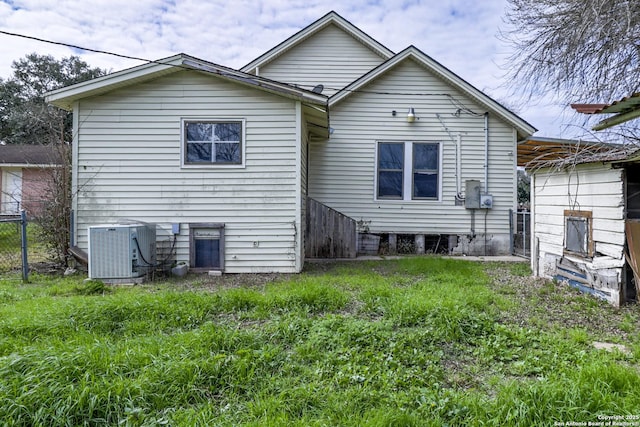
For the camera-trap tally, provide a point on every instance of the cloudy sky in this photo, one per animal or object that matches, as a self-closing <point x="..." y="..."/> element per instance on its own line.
<point x="460" y="34"/>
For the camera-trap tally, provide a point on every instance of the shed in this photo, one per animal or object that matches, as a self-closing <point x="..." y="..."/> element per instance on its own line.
<point x="581" y="200"/>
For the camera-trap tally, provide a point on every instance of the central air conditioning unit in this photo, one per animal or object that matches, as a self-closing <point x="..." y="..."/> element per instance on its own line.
<point x="122" y="252"/>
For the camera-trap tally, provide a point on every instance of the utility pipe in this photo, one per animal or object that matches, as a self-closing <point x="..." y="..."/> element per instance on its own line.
<point x="458" y="167"/>
<point x="486" y="152"/>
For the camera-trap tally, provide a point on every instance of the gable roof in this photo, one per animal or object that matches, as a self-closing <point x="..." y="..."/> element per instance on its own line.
<point x="22" y="155"/>
<point x="524" y="128"/>
<point x="331" y="18"/>
<point x="66" y="96"/>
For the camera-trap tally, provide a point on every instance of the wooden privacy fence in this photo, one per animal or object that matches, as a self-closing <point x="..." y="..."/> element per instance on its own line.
<point x="329" y="234"/>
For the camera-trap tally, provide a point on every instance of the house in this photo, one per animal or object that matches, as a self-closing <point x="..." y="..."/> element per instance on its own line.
<point x="224" y="161"/>
<point x="582" y="195"/>
<point x="25" y="177"/>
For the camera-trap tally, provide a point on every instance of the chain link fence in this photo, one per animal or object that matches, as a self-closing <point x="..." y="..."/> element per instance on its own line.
<point x="521" y="233"/>
<point x="14" y="263"/>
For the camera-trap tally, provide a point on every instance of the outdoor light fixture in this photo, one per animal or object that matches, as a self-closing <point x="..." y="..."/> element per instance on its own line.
<point x="411" y="115"/>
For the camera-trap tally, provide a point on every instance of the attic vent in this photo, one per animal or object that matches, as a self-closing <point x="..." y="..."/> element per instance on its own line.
<point x="318" y="89"/>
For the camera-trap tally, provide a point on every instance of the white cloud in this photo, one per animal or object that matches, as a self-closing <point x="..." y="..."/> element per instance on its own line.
<point x="460" y="34"/>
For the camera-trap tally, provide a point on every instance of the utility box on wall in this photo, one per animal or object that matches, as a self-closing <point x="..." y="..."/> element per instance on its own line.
<point x="486" y="201"/>
<point x="472" y="194"/>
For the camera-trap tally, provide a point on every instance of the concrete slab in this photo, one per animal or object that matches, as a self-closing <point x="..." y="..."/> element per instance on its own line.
<point x="494" y="258"/>
<point x="497" y="258"/>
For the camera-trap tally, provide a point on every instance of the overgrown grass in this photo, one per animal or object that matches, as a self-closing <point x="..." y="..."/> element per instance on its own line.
<point x="411" y="342"/>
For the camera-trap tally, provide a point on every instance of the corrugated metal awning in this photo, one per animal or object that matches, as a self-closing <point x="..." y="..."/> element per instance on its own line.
<point x="625" y="109"/>
<point x="538" y="152"/>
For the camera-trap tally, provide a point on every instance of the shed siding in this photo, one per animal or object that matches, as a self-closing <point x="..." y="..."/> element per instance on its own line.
<point x="342" y="169"/>
<point x="128" y="166"/>
<point x="331" y="57"/>
<point x="589" y="187"/>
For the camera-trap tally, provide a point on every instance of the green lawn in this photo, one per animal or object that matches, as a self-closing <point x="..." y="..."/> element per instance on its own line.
<point x="411" y="342"/>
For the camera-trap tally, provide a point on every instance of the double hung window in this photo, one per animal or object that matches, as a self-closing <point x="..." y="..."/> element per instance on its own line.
<point x="408" y="171"/>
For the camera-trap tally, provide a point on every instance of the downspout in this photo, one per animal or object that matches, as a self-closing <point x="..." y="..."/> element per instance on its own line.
<point x="486" y="152"/>
<point x="458" y="168"/>
<point x="486" y="173"/>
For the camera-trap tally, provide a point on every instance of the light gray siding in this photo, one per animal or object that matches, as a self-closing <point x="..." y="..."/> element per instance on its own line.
<point x="331" y="57"/>
<point x="128" y="165"/>
<point x="595" y="188"/>
<point x="343" y="173"/>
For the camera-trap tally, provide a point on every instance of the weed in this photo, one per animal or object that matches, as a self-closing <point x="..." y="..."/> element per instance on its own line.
<point x="92" y="287"/>
<point x="415" y="342"/>
<point x="628" y="323"/>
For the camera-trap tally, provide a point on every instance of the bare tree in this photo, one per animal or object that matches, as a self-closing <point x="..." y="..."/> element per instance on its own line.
<point x="26" y="119"/>
<point x="55" y="214"/>
<point x="585" y="51"/>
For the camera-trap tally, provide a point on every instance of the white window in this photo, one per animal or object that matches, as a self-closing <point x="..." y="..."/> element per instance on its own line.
<point x="408" y="171"/>
<point x="578" y="233"/>
<point x="212" y="142"/>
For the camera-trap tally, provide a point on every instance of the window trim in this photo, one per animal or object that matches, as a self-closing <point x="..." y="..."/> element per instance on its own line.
<point x="586" y="216"/>
<point x="407" y="173"/>
<point x="401" y="170"/>
<point x="183" y="143"/>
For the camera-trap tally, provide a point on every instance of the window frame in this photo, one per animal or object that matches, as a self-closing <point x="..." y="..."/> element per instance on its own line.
<point x="408" y="173"/>
<point x="401" y="170"/>
<point x="587" y="218"/>
<point x="208" y="165"/>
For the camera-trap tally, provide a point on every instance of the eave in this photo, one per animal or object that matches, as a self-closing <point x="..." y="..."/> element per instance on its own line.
<point x="314" y="104"/>
<point x="66" y="96"/>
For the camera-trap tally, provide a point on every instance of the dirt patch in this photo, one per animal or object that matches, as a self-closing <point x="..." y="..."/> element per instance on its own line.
<point x="228" y="281"/>
<point x="545" y="303"/>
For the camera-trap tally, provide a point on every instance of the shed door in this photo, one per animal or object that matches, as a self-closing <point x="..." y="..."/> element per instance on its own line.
<point x="11" y="190"/>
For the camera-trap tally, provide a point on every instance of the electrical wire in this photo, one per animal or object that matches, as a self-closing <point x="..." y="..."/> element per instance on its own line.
<point x="455" y="102"/>
<point x="161" y="263"/>
<point x="38" y="39"/>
